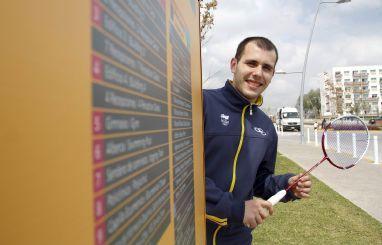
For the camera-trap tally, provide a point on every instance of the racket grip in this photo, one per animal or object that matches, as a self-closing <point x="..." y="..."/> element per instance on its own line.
<point x="277" y="197"/>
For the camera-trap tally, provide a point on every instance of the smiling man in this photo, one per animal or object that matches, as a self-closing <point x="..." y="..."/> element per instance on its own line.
<point x="240" y="148"/>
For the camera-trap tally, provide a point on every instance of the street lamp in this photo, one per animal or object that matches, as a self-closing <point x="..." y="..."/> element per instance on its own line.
<point x="304" y="68"/>
<point x="281" y="72"/>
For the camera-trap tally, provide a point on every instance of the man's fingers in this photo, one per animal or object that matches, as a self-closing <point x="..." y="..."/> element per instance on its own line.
<point x="305" y="185"/>
<point x="271" y="210"/>
<point x="303" y="194"/>
<point x="264" y="213"/>
<point x="266" y="204"/>
<point x="252" y="223"/>
<point x="305" y="190"/>
<point x="305" y="178"/>
<point x="259" y="219"/>
<point x="268" y="207"/>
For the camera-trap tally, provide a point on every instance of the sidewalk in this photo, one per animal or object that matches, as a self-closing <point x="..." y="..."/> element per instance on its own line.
<point x="361" y="184"/>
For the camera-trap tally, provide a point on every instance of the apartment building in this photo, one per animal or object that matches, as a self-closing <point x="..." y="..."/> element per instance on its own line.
<point x="353" y="90"/>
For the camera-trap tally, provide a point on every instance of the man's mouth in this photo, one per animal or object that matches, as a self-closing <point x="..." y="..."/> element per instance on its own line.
<point x="253" y="84"/>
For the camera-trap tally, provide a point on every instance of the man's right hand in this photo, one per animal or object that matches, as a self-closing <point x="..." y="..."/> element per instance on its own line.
<point x="256" y="211"/>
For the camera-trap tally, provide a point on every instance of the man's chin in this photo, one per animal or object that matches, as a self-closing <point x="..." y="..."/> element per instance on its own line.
<point x="251" y="96"/>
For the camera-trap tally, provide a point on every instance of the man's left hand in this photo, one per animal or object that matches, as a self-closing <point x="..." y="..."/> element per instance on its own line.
<point x="303" y="187"/>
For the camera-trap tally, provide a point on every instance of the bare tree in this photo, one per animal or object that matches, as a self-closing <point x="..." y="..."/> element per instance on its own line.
<point x="206" y="16"/>
<point x="206" y="22"/>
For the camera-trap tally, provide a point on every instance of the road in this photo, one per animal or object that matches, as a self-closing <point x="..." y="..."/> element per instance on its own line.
<point x="369" y="155"/>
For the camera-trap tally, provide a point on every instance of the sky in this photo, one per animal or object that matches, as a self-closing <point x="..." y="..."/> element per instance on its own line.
<point x="347" y="34"/>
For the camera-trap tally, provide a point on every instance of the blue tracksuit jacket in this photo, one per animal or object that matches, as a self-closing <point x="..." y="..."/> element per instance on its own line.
<point x="240" y="152"/>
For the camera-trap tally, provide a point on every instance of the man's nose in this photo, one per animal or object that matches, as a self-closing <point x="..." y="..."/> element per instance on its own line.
<point x="257" y="71"/>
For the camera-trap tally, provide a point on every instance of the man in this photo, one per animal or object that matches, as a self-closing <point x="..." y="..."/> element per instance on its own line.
<point x="240" y="148"/>
<point x="315" y="126"/>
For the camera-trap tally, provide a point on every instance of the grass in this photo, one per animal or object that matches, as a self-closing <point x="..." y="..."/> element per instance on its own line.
<point x="324" y="218"/>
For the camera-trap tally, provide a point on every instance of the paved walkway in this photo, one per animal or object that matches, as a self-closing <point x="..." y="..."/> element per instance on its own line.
<point x="362" y="184"/>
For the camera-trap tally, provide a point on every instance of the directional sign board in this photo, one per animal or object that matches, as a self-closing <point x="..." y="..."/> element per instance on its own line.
<point x="102" y="123"/>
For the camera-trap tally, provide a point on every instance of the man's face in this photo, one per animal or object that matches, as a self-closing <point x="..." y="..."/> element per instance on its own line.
<point x="254" y="71"/>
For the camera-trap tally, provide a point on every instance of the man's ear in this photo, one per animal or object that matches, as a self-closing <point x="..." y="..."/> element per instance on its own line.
<point x="233" y="65"/>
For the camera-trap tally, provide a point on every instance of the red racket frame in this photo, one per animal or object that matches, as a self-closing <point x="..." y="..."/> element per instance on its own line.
<point x="323" y="159"/>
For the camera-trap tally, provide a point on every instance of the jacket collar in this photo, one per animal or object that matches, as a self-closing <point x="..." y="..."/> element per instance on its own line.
<point x="236" y="99"/>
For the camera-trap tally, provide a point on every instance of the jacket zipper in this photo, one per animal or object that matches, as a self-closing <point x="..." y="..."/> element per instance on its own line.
<point x="233" y="181"/>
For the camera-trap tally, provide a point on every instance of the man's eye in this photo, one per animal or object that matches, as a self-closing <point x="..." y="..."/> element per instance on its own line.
<point x="267" y="68"/>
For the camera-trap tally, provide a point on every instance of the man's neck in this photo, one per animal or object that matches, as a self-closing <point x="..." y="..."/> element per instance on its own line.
<point x="253" y="101"/>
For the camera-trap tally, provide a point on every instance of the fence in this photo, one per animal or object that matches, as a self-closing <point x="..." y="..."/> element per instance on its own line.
<point x="372" y="152"/>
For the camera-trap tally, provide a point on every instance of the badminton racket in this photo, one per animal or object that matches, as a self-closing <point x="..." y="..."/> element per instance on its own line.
<point x="344" y="142"/>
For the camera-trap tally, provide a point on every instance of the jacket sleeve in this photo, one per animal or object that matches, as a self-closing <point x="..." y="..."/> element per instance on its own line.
<point x="266" y="183"/>
<point x="220" y="207"/>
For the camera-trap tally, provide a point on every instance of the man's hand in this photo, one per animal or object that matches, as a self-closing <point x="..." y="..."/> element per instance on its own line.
<point x="256" y="211"/>
<point x="303" y="187"/>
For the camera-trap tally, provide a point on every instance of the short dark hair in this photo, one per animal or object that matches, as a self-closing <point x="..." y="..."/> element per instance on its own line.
<point x="261" y="42"/>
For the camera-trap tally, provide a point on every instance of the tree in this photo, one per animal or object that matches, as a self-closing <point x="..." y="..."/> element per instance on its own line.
<point x="206" y="23"/>
<point x="206" y="16"/>
<point x="312" y="103"/>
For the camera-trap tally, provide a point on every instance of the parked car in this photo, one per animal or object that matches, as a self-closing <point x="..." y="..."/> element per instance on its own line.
<point x="377" y="121"/>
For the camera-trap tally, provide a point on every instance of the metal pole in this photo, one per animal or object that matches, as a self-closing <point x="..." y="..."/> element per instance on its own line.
<point x="315" y="138"/>
<point x="304" y="69"/>
<point x="303" y="77"/>
<point x="376" y="155"/>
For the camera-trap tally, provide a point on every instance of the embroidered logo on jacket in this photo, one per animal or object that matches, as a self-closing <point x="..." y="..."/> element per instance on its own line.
<point x="260" y="130"/>
<point x="224" y="119"/>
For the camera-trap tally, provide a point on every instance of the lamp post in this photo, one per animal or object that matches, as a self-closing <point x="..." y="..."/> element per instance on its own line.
<point x="304" y="67"/>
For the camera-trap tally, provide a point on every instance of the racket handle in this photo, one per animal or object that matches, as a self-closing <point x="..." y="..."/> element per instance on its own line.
<point x="277" y="197"/>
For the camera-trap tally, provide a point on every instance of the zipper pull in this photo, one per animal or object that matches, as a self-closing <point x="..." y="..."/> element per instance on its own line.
<point x="250" y="109"/>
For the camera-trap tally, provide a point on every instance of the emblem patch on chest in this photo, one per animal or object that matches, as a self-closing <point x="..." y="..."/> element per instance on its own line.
<point x="224" y="119"/>
<point x="260" y="130"/>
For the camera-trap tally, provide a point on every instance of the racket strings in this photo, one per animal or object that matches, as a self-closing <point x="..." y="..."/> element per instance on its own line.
<point x="345" y="141"/>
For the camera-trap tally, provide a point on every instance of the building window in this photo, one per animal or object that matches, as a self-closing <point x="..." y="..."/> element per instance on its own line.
<point x="372" y="72"/>
<point x="347" y="72"/>
<point x="373" y="79"/>
<point x="374" y="96"/>
<point x="380" y="71"/>
<point x="348" y="96"/>
<point x="374" y="87"/>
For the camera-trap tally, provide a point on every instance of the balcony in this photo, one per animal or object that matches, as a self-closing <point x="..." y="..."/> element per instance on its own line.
<point x="360" y="75"/>
<point x="368" y="100"/>
<point x="371" y="99"/>
<point x="338" y="75"/>
<point x="366" y="83"/>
